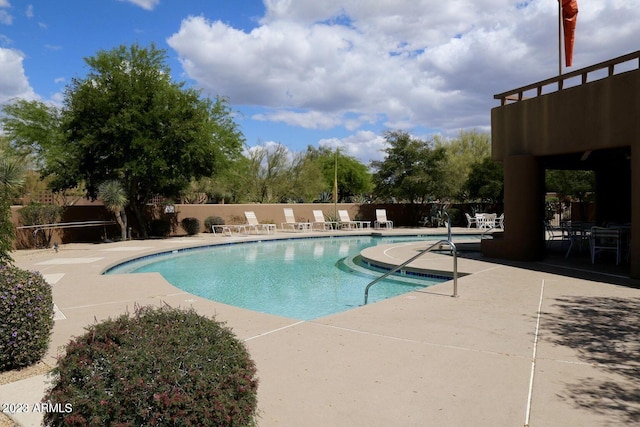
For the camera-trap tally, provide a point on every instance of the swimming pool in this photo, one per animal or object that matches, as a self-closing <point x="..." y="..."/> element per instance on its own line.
<point x="298" y="278"/>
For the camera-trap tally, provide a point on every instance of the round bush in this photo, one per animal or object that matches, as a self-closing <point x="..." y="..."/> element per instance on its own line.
<point x="212" y="221"/>
<point x="158" y="367"/>
<point x="26" y="317"/>
<point x="190" y="225"/>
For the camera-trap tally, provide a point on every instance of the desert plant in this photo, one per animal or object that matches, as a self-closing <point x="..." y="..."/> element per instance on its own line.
<point x="114" y="197"/>
<point x="38" y="213"/>
<point x="190" y="225"/>
<point x="26" y="317"/>
<point x="12" y="173"/>
<point x="237" y="219"/>
<point x="332" y="217"/>
<point x="212" y="221"/>
<point x="438" y="215"/>
<point x="157" y="367"/>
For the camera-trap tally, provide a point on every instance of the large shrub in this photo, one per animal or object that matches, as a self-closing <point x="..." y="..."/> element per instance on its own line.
<point x="212" y="221"/>
<point x="26" y="317"/>
<point x="158" y="367"/>
<point x="190" y="225"/>
<point x="36" y="214"/>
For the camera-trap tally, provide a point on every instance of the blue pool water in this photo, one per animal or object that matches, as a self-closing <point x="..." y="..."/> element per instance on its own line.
<point x="298" y="278"/>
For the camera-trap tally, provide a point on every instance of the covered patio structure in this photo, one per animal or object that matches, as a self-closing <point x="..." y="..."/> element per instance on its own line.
<point x="588" y="119"/>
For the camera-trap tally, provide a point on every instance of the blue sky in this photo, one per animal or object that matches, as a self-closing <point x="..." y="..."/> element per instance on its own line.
<point x="333" y="73"/>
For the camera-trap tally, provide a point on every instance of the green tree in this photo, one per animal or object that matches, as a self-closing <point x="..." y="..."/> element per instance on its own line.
<point x="270" y="171"/>
<point x="307" y="179"/>
<point x="412" y="171"/>
<point x="462" y="152"/>
<point x="572" y="185"/>
<point x="486" y="181"/>
<point x="576" y="184"/>
<point x="34" y="130"/>
<point x="12" y="173"/>
<point x="354" y="178"/>
<point x="127" y="121"/>
<point x="115" y="200"/>
<point x="233" y="184"/>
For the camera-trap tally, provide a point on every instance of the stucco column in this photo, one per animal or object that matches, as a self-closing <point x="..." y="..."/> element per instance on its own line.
<point x="523" y="238"/>
<point x="634" y="258"/>
<point x="613" y="192"/>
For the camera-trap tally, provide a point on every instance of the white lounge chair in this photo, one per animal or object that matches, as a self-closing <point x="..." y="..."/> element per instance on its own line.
<point x="320" y="221"/>
<point x="290" y="221"/>
<point x="228" y="230"/>
<point x="381" y="219"/>
<point x="346" y="221"/>
<point x="252" y="223"/>
<point x="471" y="221"/>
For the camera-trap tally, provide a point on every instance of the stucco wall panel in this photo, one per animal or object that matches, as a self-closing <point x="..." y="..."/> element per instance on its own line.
<point x="597" y="115"/>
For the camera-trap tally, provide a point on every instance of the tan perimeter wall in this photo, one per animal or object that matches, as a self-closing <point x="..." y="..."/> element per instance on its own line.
<point x="231" y="213"/>
<point x="274" y="213"/>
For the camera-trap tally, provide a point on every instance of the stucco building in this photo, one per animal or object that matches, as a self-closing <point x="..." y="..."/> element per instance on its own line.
<point x="588" y="119"/>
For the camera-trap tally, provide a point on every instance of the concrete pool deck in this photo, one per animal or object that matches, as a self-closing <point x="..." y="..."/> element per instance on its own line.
<point x="521" y="345"/>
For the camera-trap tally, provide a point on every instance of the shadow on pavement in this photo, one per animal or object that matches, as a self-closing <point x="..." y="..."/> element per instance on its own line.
<point x="605" y="332"/>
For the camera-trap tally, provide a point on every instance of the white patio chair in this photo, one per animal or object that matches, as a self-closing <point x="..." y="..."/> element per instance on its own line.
<point x="471" y="221"/>
<point x="604" y="239"/>
<point x="381" y="219"/>
<point x="252" y="223"/>
<point x="555" y="233"/>
<point x="345" y="220"/>
<point x="290" y="221"/>
<point x="319" y="220"/>
<point x="490" y="221"/>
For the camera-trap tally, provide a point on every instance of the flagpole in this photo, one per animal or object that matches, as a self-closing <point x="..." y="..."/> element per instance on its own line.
<point x="335" y="185"/>
<point x="559" y="37"/>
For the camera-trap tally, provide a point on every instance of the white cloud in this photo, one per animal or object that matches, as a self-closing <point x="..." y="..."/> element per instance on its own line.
<point x="5" y="18"/>
<point x="13" y="81"/>
<point x="57" y="99"/>
<point x="145" y="4"/>
<point x="397" y="64"/>
<point x="307" y="119"/>
<point x="29" y="11"/>
<point x="363" y="145"/>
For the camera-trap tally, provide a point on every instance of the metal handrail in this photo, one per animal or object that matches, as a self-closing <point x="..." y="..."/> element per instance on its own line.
<point x="393" y="270"/>
<point x="454" y="251"/>
<point x="66" y="224"/>
<point x="517" y="95"/>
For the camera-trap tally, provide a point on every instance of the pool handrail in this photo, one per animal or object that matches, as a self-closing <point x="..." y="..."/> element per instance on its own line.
<point x="409" y="261"/>
<point x="454" y="252"/>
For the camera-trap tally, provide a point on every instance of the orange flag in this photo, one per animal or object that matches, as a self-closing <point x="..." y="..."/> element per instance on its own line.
<point x="569" y="18"/>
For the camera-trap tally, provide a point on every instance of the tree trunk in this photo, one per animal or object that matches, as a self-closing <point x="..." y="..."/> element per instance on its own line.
<point x="121" y="217"/>
<point x="139" y="215"/>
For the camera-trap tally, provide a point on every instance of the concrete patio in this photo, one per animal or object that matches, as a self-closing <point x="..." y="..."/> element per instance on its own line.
<point x="523" y="344"/>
